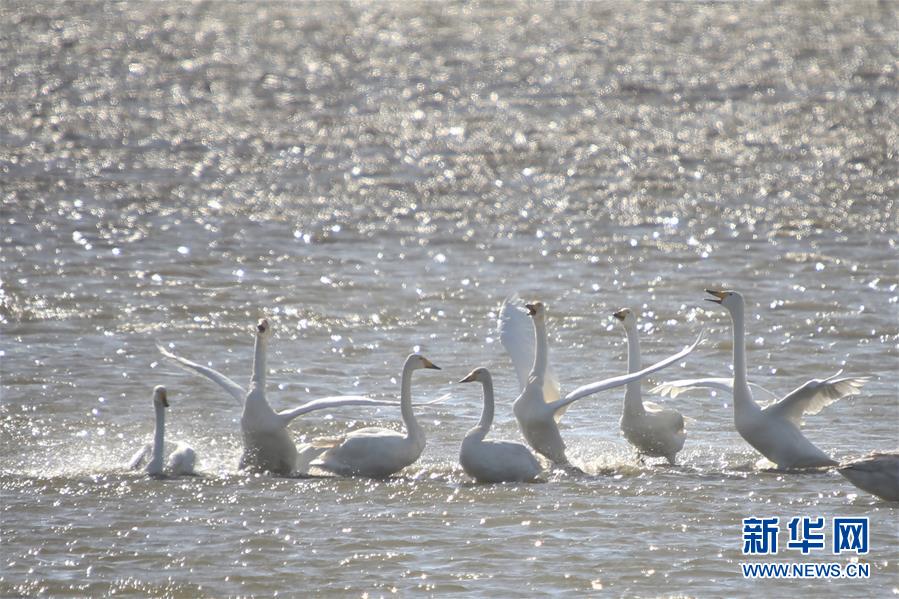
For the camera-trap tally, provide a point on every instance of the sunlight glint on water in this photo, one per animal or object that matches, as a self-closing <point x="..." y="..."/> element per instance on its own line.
<point x="375" y="180"/>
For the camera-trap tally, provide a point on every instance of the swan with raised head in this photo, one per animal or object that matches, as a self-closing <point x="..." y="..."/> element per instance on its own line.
<point x="152" y="456"/>
<point x="378" y="452"/>
<point x="538" y="409"/>
<point x="494" y="461"/>
<point x="772" y="430"/>
<point x="653" y="430"/>
<point x="877" y="473"/>
<point x="267" y="445"/>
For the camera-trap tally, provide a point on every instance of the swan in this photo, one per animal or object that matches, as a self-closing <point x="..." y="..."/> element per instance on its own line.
<point x="877" y="473"/>
<point x="536" y="409"/>
<point x="378" y="452"/>
<point x="494" y="461"/>
<point x="268" y="447"/>
<point x="654" y="431"/>
<point x="182" y="459"/>
<point x="773" y="430"/>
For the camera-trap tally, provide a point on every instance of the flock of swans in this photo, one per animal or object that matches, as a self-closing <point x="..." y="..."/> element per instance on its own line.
<point x="773" y="430"/>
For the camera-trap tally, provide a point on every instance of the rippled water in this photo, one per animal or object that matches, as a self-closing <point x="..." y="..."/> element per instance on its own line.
<point x="375" y="179"/>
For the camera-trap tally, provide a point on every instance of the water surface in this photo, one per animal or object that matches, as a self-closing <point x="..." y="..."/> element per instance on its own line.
<point x="375" y="179"/>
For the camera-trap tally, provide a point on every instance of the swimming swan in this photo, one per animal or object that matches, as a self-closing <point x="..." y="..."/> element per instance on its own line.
<point x="536" y="410"/>
<point x="268" y="447"/>
<point x="182" y="459"/>
<point x="494" y="461"/>
<point x="378" y="452"/>
<point x="772" y="430"/>
<point x="653" y="430"/>
<point x="877" y="473"/>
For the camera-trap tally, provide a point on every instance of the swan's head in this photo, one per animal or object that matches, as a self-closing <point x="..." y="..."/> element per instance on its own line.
<point x="626" y="316"/>
<point x="536" y="309"/>
<point x="416" y="361"/>
<point x="263" y="328"/>
<point x="477" y="375"/>
<point x="160" y="396"/>
<point x="729" y="299"/>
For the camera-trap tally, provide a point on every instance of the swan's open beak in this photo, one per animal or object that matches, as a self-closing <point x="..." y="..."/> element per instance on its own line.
<point x="532" y="309"/>
<point x="262" y="326"/>
<point x="620" y="314"/>
<point x="429" y="364"/>
<point x="719" y="295"/>
<point x="470" y="378"/>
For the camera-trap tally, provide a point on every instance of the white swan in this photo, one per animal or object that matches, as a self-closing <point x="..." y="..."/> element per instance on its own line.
<point x="494" y="461"/>
<point x="378" y="452"/>
<point x="537" y="410"/>
<point x="877" y="473"/>
<point x="268" y="447"/>
<point x="516" y="333"/>
<point x="654" y="431"/>
<point x="773" y="430"/>
<point x="182" y="459"/>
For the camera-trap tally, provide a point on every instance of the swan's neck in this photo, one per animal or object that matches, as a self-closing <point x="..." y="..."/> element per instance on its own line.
<point x="742" y="395"/>
<point x="259" y="362"/>
<point x="486" y="421"/>
<point x="155" y="465"/>
<point x="740" y="381"/>
<point x="541" y="353"/>
<point x="412" y="427"/>
<point x="633" y="402"/>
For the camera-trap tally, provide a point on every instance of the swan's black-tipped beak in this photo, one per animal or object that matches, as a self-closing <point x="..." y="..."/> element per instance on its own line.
<point x="161" y="395"/>
<point x="472" y="377"/>
<point x="262" y="326"/>
<point x="719" y="296"/>
<point x="429" y="364"/>
<point x="620" y="314"/>
<point x="532" y="309"/>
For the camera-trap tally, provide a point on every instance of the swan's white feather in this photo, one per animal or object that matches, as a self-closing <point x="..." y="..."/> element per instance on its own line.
<point x="516" y="333"/>
<point x="617" y="381"/>
<point x="815" y="395"/>
<point x="674" y="388"/>
<point x="335" y="401"/>
<point x="233" y="389"/>
<point x="182" y="460"/>
<point x="140" y="457"/>
<point x="491" y="461"/>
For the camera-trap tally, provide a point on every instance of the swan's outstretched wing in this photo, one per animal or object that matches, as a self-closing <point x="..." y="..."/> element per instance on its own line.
<point x="618" y="381"/>
<point x="337" y="401"/>
<point x="815" y="395"/>
<point x="516" y="332"/>
<point x="432" y="402"/>
<point x="233" y="389"/>
<point x="674" y="388"/>
<point x="139" y="457"/>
